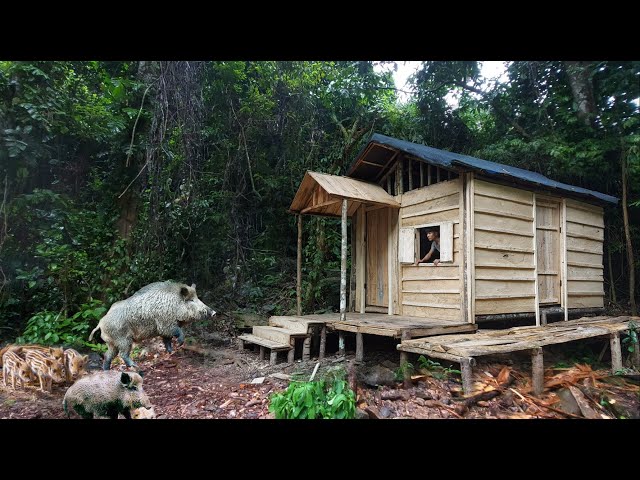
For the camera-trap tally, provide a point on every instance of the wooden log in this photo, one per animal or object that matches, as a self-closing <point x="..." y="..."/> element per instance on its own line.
<point x="273" y="357"/>
<point x="343" y="265"/>
<point x="359" y="348"/>
<point x="467" y="375"/>
<point x="405" y="335"/>
<point x="616" y="352"/>
<point x="537" y="366"/>
<point x="306" y="349"/>
<point x="323" y="342"/>
<point x="290" y="355"/>
<point x="263" y="352"/>
<point x="299" y="269"/>
<point x="340" y="342"/>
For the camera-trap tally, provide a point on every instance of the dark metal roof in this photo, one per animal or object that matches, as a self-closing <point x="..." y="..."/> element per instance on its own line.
<point x="446" y="159"/>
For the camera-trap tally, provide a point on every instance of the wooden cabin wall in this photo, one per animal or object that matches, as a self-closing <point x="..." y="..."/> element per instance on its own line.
<point x="504" y="263"/>
<point x="584" y="237"/>
<point x="427" y="290"/>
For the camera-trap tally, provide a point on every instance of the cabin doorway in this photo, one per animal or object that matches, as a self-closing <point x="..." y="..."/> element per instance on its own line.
<point x="377" y="231"/>
<point x="548" y="250"/>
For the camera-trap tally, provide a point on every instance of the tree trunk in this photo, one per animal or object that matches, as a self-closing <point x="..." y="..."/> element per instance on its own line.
<point x="612" y="286"/>
<point x="627" y="235"/>
<point x="582" y="90"/>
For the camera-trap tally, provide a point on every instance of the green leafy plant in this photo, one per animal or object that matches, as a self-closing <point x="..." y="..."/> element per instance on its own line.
<point x="631" y="340"/>
<point x="51" y="328"/>
<point x="311" y="400"/>
<point x="436" y="370"/>
<point x="404" y="367"/>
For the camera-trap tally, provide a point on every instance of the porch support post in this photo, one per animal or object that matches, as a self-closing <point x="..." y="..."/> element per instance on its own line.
<point x="299" y="267"/>
<point x="343" y="265"/>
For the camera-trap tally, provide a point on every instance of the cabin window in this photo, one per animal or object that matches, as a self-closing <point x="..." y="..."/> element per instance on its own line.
<point x="414" y="243"/>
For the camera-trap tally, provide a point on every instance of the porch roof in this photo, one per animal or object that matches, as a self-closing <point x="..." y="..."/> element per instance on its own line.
<point x="322" y="194"/>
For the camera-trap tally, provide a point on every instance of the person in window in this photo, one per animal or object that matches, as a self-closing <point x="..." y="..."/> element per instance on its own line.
<point x="433" y="255"/>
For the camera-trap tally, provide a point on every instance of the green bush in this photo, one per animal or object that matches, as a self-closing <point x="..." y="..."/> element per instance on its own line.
<point x="312" y="400"/>
<point x="51" y="328"/>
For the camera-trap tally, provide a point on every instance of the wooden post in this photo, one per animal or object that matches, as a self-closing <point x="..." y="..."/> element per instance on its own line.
<point x="389" y="189"/>
<point x="635" y="355"/>
<point x="340" y="342"/>
<point x="299" y="265"/>
<point x="422" y="174"/>
<point x="359" y="347"/>
<point x="616" y="352"/>
<point x="543" y="317"/>
<point x="273" y="357"/>
<point x="467" y="375"/>
<point x="400" y="177"/>
<point x="537" y="370"/>
<point x="428" y="174"/>
<point x="290" y="355"/>
<point x="404" y="359"/>
<point x="323" y="342"/>
<point x="343" y="265"/>
<point x="565" y="269"/>
<point x="535" y="266"/>
<point x="437" y="174"/>
<point x="306" y="349"/>
<point x="410" y="174"/>
<point x="263" y="352"/>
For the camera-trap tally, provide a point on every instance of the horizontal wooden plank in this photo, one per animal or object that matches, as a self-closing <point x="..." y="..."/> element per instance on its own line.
<point x="503" y="207"/>
<point x="576" y="230"/>
<point x="585" y="218"/>
<point x="504" y="288"/>
<point x="430" y="192"/>
<point x="584" y="244"/>
<point x="502" y="274"/>
<point x="514" y="259"/>
<point x="584" y="206"/>
<point x="429" y="211"/>
<point x="445" y="300"/>
<point x="584" y="258"/>
<point x="509" y="305"/>
<point x="499" y="240"/>
<point x="432" y="312"/>
<point x="585" y="301"/>
<point x="265" y="342"/>
<point x="488" y="221"/>
<point x="496" y="231"/>
<point x="597" y="251"/>
<point x="505" y="266"/>
<point x="584" y="271"/>
<point x="501" y="191"/>
<point x="447" y="202"/>
<point x="430" y="219"/>
<point x="593" y="286"/>
<point x="503" y="248"/>
<point x="495" y="213"/>
<point x="426" y="271"/>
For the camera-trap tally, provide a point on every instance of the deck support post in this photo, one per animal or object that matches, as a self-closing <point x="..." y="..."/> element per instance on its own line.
<point x="290" y="355"/>
<point x="299" y="269"/>
<point x="340" y="343"/>
<point x="306" y="349"/>
<point x="537" y="367"/>
<point x="263" y="353"/>
<point x="273" y="357"/>
<point x="616" y="352"/>
<point x="466" y="369"/>
<point x="323" y="342"/>
<point x="359" y="348"/>
<point x="343" y="265"/>
<point x="404" y="360"/>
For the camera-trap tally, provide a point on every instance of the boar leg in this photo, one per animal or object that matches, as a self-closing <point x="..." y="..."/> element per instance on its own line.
<point x="109" y="356"/>
<point x="177" y="332"/>
<point x="127" y="414"/>
<point x="125" y="350"/>
<point x="167" y="343"/>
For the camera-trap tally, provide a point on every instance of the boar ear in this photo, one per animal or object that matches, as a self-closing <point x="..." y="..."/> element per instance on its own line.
<point x="193" y="285"/>
<point x="48" y="362"/>
<point x="125" y="379"/>
<point x="85" y="358"/>
<point x="184" y="291"/>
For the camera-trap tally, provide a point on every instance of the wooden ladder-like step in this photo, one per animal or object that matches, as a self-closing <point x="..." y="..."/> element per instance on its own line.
<point x="265" y="343"/>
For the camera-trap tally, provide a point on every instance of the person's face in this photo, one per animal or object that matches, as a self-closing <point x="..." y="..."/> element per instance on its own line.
<point x="431" y="236"/>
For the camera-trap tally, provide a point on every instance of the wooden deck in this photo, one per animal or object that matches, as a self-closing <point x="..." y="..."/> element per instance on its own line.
<point x="463" y="348"/>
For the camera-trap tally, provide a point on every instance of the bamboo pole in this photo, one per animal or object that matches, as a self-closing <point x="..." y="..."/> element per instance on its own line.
<point x="299" y="267"/>
<point x="343" y="265"/>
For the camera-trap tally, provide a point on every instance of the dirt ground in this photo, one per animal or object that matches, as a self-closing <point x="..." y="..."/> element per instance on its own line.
<point x="218" y="385"/>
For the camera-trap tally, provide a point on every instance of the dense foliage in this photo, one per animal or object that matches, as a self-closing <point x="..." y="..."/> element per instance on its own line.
<point x="117" y="174"/>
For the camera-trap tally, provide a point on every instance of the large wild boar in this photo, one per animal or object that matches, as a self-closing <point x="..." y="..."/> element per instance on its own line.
<point x="158" y="309"/>
<point x="106" y="394"/>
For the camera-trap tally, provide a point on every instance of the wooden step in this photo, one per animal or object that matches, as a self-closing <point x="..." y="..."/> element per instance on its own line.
<point x="263" y="342"/>
<point x="289" y="323"/>
<point x="277" y="334"/>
